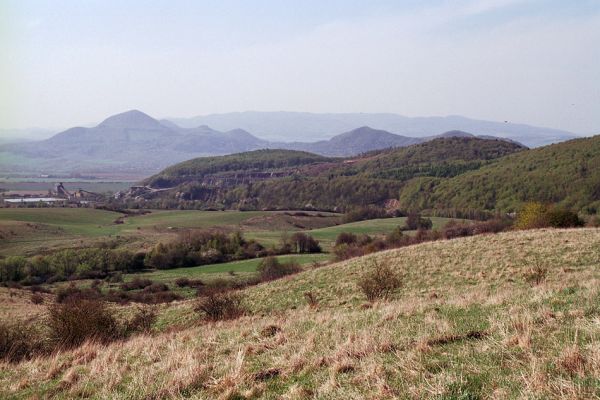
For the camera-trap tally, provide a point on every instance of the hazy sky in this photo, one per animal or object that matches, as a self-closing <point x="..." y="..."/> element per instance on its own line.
<point x="65" y="63"/>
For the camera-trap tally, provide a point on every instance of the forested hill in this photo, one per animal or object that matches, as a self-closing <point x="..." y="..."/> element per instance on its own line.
<point x="440" y="157"/>
<point x="291" y="179"/>
<point x="259" y="161"/>
<point x="567" y="173"/>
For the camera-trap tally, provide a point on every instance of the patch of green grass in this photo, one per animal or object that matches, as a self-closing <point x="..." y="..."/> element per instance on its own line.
<point x="327" y="236"/>
<point x="222" y="269"/>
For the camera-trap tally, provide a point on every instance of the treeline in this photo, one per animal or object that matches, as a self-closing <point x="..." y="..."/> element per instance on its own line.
<point x="348" y="245"/>
<point x="190" y="249"/>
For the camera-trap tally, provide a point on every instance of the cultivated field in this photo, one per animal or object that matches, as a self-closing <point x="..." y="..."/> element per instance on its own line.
<point x="512" y="315"/>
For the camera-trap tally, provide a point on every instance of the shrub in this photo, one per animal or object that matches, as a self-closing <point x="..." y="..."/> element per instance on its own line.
<point x="270" y="268"/>
<point x="303" y="243"/>
<point x="142" y="320"/>
<point x="379" y="282"/>
<point x="344" y="251"/>
<point x="136" y="284"/>
<point x="561" y="218"/>
<point x="19" y="342"/>
<point x="217" y="306"/>
<point x="156" y="288"/>
<point x="396" y="238"/>
<point x="76" y="320"/>
<point x="345" y="238"/>
<point x="538" y="215"/>
<point x="182" y="282"/>
<point x="73" y="292"/>
<point x="37" y="298"/>
<point x="532" y="216"/>
<point x="414" y="221"/>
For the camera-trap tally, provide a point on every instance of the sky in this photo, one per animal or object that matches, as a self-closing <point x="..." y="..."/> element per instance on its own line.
<point x="67" y="63"/>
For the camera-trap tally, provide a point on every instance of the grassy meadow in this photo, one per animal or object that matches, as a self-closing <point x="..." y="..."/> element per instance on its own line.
<point x="467" y="323"/>
<point x="30" y="231"/>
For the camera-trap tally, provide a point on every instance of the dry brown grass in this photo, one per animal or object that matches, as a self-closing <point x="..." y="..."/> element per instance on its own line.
<point x="486" y="333"/>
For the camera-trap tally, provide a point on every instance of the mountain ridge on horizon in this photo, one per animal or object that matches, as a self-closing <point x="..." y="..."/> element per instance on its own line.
<point x="135" y="141"/>
<point x="278" y="125"/>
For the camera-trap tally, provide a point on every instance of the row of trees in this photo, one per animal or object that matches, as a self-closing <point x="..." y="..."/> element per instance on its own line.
<point x="190" y="249"/>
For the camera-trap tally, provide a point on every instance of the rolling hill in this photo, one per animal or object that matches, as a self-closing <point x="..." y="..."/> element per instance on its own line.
<point x="133" y="143"/>
<point x="466" y="324"/>
<point x="567" y="173"/>
<point x="127" y="142"/>
<point x="351" y="143"/>
<point x="287" y="179"/>
<point x="459" y="172"/>
<point x="282" y="125"/>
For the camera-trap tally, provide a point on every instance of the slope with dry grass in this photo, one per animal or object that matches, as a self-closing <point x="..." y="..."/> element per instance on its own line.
<point x="513" y="315"/>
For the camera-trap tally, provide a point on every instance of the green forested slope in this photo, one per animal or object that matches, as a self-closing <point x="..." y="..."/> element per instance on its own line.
<point x="567" y="173"/>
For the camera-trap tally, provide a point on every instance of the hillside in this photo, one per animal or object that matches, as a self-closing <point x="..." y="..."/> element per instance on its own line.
<point x="128" y="142"/>
<point x="567" y="173"/>
<point x="466" y="324"/>
<point x="267" y="178"/>
<point x="283" y="126"/>
<point x="260" y="162"/>
<point x="354" y="142"/>
<point x="133" y="143"/>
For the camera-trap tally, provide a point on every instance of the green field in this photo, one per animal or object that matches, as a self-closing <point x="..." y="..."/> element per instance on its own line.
<point x="30" y="231"/>
<point x="235" y="270"/>
<point x="326" y="236"/>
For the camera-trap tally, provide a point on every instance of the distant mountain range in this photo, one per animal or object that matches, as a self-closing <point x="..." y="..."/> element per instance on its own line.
<point x="133" y="142"/>
<point x="283" y="125"/>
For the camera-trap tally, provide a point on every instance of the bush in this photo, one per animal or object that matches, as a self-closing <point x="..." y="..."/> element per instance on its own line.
<point x="182" y="282"/>
<point x="380" y="282"/>
<point x="414" y="222"/>
<point x="561" y="218"/>
<point x="345" y="238"/>
<point x="136" y="284"/>
<point x="37" y="298"/>
<point x="73" y="292"/>
<point x="538" y="215"/>
<point x="302" y="243"/>
<point x="532" y="216"/>
<point x="142" y="320"/>
<point x="76" y="320"/>
<point x="270" y="268"/>
<point x="156" y="288"/>
<point x="217" y="306"/>
<point x="19" y="342"/>
<point x="345" y="251"/>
